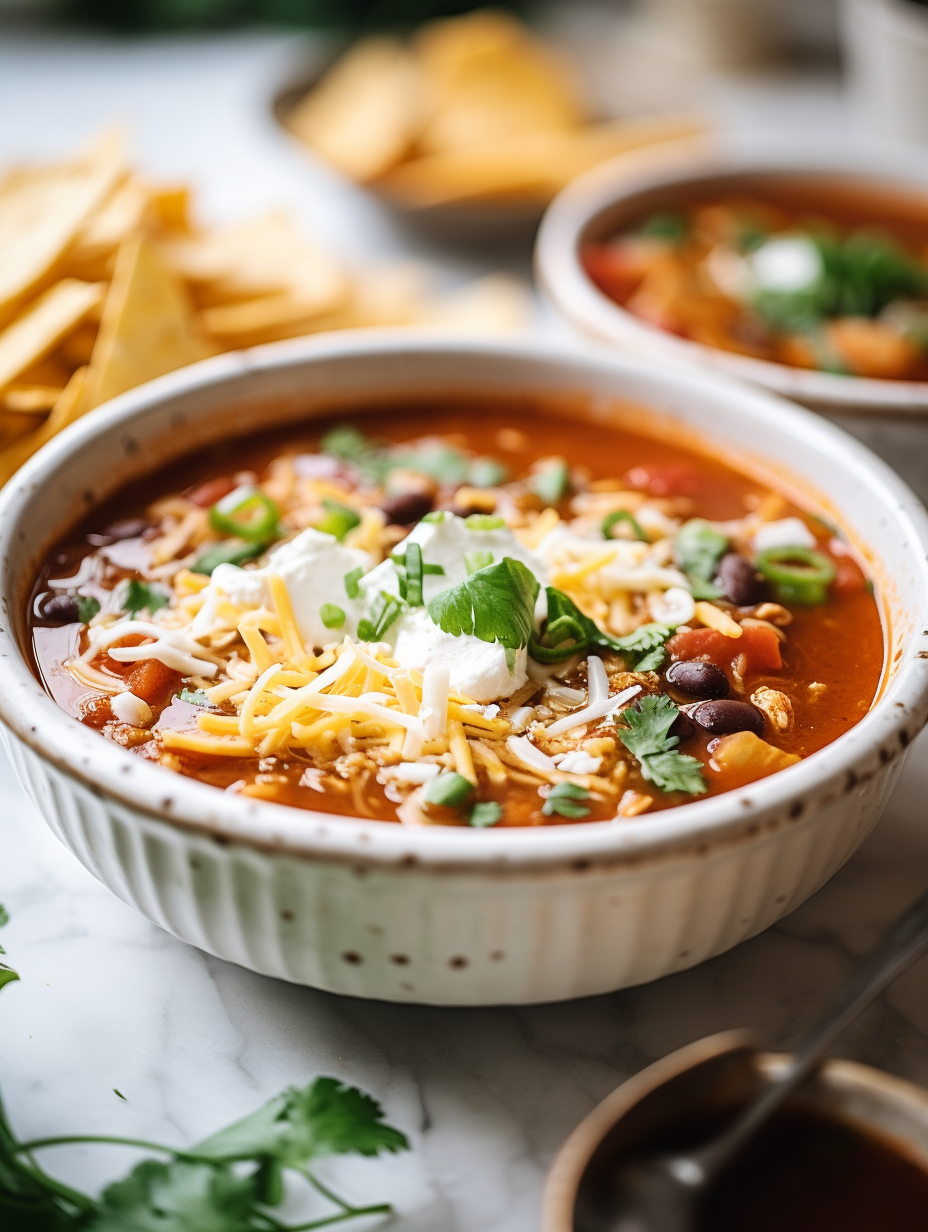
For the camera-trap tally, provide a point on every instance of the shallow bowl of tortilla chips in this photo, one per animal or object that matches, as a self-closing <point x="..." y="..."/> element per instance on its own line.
<point x="470" y="127"/>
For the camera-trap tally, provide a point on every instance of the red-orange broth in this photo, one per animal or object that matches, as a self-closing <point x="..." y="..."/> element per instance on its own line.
<point x="514" y="460"/>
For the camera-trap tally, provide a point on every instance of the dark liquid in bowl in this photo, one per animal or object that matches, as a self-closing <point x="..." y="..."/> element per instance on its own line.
<point x="810" y="1173"/>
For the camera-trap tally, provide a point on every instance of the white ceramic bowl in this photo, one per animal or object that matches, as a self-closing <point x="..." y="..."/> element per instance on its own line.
<point x="890" y="416"/>
<point x="693" y="1082"/>
<point x="446" y="915"/>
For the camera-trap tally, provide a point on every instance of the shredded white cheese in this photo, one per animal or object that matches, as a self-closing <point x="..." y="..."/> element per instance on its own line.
<point x="599" y="711"/>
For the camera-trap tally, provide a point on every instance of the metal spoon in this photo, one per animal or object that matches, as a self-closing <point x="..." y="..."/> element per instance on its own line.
<point x="660" y="1193"/>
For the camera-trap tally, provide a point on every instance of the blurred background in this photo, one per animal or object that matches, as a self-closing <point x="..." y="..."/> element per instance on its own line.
<point x="305" y="165"/>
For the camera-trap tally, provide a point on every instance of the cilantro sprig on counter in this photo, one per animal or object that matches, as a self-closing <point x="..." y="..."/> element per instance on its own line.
<point x="229" y="1182"/>
<point x="647" y="737"/>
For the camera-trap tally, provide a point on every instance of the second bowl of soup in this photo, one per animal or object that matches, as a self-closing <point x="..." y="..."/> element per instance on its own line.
<point x="364" y="663"/>
<point x="803" y="270"/>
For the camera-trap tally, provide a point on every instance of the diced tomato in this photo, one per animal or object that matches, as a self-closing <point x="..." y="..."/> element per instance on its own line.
<point x="663" y="479"/>
<point x="152" y="681"/>
<point x="114" y="665"/>
<point x="615" y="268"/>
<point x="850" y="577"/>
<point x="206" y="494"/>
<point x="703" y="644"/>
<point x="760" y="647"/>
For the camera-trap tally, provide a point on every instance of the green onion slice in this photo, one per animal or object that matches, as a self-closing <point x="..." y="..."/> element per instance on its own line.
<point x="448" y="790"/>
<point x="622" y="515"/>
<point x="484" y="521"/>
<point x="246" y="513"/>
<point x="331" y="616"/>
<point x="384" y="611"/>
<point x="798" y="575"/>
<point x="339" y="519"/>
<point x="486" y="813"/>
<point x="414" y="575"/>
<point x="352" y="589"/>
<point x="229" y="552"/>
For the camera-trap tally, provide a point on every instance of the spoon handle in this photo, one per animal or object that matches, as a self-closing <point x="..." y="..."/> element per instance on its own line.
<point x="906" y="941"/>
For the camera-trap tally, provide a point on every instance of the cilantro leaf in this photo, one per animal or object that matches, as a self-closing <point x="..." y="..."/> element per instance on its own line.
<point x="349" y="445"/>
<point x="698" y="548"/>
<point x="4" y="919"/>
<point x="564" y="798"/>
<point x="647" y="641"/>
<point x="178" y="1197"/>
<point x="87" y="608"/>
<point x="647" y="737"/>
<point x="673" y="771"/>
<point x="385" y="609"/>
<point x="495" y="604"/>
<point x="302" y="1124"/>
<point x="7" y="974"/>
<point x="141" y="597"/>
<point x="569" y="632"/>
<point x="444" y="464"/>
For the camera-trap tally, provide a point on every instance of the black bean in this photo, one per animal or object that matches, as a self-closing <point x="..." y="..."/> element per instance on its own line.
<point x="61" y="609"/>
<point x="738" y="578"/>
<point x="407" y="507"/>
<point x="728" y="715"/>
<point x="128" y="528"/>
<point x="697" y="679"/>
<point x="682" y="727"/>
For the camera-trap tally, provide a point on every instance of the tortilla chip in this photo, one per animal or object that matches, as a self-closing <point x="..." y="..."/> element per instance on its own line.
<point x="121" y="213"/>
<point x="170" y="204"/>
<point x="366" y="112"/>
<point x="68" y="408"/>
<point x="44" y="323"/>
<point x="528" y="169"/>
<point x="30" y="399"/>
<point x="266" y="256"/>
<point x="147" y="328"/>
<point x="42" y="209"/>
<point x="77" y="348"/>
<point x="491" y="80"/>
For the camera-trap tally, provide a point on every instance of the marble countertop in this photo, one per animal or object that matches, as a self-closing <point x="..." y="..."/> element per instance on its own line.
<point x="107" y="1000"/>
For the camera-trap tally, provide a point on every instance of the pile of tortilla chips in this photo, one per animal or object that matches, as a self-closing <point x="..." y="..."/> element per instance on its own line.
<point x="474" y="109"/>
<point x="105" y="283"/>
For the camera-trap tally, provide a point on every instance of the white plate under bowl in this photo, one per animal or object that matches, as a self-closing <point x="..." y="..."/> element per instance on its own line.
<point x="446" y="915"/>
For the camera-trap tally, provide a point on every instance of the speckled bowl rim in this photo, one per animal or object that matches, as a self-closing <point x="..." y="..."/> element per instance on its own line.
<point x="596" y="192"/>
<point x="689" y="830"/>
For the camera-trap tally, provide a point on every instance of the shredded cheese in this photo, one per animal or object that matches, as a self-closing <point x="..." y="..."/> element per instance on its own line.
<point x="714" y="618"/>
<point x="460" y="751"/>
<point x="434" y="710"/>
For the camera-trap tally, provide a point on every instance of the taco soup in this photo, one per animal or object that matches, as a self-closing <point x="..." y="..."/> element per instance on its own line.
<point x="801" y="272"/>
<point x="472" y="613"/>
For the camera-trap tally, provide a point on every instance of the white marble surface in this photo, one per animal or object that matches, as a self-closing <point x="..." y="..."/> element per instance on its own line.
<point x="107" y="1000"/>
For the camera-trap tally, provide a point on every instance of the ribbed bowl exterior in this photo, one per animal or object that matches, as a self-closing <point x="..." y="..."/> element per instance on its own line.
<point x="449" y="938"/>
<point x="435" y="914"/>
